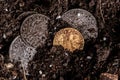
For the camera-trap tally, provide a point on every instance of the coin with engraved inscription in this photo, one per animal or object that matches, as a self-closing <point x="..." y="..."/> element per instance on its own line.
<point x="20" y="52"/>
<point x="34" y="30"/>
<point x="82" y="20"/>
<point x="69" y="38"/>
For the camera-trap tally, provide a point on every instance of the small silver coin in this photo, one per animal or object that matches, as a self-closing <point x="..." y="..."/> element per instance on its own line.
<point x="82" y="20"/>
<point x="20" y="52"/>
<point x="34" y="30"/>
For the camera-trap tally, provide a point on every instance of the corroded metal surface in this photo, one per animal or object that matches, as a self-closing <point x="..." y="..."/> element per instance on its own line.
<point x="69" y="38"/>
<point x="82" y="20"/>
<point x="34" y="30"/>
<point x="20" y="52"/>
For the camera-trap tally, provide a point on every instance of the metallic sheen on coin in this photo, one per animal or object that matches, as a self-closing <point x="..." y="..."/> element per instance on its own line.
<point x="34" y="30"/>
<point x="82" y="20"/>
<point x="69" y="38"/>
<point x="20" y="52"/>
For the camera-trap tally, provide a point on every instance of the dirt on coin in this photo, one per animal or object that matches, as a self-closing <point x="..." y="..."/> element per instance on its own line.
<point x="97" y="20"/>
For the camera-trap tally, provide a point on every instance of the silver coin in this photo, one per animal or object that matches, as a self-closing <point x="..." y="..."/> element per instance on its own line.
<point x="20" y="52"/>
<point x="82" y="20"/>
<point x="34" y="30"/>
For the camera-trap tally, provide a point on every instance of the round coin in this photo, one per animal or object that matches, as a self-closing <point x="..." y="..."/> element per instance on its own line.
<point x="82" y="20"/>
<point x="69" y="38"/>
<point x="20" y="52"/>
<point x="34" y="30"/>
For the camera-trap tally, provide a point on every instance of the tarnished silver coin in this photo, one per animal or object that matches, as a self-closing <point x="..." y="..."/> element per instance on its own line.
<point x="20" y="52"/>
<point x="82" y="20"/>
<point x="34" y="30"/>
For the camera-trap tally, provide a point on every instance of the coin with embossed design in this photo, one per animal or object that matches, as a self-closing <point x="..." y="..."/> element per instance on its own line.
<point x="69" y="38"/>
<point x="34" y="30"/>
<point x="20" y="52"/>
<point x="82" y="20"/>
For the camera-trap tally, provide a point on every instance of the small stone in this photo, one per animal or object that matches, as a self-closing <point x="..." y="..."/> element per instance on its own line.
<point x="50" y="65"/>
<point x="89" y="57"/>
<point x="21" y="4"/>
<point x="4" y="36"/>
<point x="81" y="65"/>
<point x="43" y="75"/>
<point x="40" y="72"/>
<point x="58" y="17"/>
<point x="6" y="9"/>
<point x="9" y="65"/>
<point x="14" y="73"/>
<point x="14" y="77"/>
<point x="104" y="38"/>
<point x="65" y="64"/>
<point x="52" y="56"/>
<point x="66" y="54"/>
<point x="55" y="28"/>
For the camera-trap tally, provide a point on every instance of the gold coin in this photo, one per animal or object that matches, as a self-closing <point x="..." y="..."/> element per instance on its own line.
<point x="69" y="38"/>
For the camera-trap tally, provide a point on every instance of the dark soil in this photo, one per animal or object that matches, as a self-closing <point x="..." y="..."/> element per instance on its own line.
<point x="99" y="55"/>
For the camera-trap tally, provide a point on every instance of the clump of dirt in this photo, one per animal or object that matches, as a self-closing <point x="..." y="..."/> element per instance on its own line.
<point x="54" y="62"/>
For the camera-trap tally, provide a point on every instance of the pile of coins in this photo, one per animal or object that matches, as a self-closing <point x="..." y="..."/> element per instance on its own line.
<point x="33" y="34"/>
<point x="83" y="28"/>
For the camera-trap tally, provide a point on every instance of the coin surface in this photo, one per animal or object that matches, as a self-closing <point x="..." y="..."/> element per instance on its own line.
<point x="82" y="20"/>
<point x="20" y="52"/>
<point x="34" y="30"/>
<point x="69" y="38"/>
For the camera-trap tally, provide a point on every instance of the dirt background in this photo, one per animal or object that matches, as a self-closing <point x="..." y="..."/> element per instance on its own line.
<point x="99" y="55"/>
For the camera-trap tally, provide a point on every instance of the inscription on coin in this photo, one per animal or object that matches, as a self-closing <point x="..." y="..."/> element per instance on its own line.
<point x="34" y="30"/>
<point x="20" y="52"/>
<point x="82" y="20"/>
<point x="69" y="38"/>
